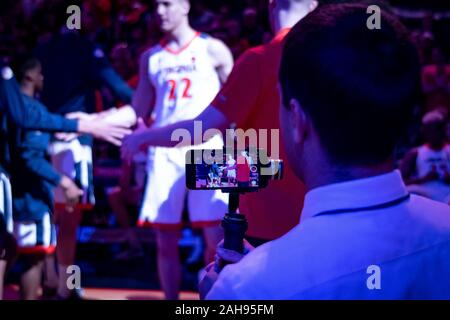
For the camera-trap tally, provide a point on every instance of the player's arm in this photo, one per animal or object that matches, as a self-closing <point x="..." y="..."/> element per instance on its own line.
<point x="34" y="118"/>
<point x="223" y="59"/>
<point x="211" y="118"/>
<point x="174" y="135"/>
<point x="144" y="97"/>
<point x="117" y="85"/>
<point x="32" y="152"/>
<point x="234" y="103"/>
<point x="408" y="168"/>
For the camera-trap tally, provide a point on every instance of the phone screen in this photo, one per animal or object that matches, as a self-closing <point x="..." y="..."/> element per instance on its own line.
<point x="214" y="169"/>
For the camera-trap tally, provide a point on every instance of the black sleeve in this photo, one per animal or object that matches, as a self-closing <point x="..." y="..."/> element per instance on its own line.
<point x="110" y="77"/>
<point x="105" y="74"/>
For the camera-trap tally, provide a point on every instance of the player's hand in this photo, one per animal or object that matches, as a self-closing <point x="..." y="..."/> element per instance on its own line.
<point x="71" y="191"/>
<point x="102" y="130"/>
<point x="66" y="136"/>
<point x="78" y="115"/>
<point x="104" y="114"/>
<point x="132" y="143"/>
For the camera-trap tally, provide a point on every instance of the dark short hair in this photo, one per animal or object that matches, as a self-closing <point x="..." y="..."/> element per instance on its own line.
<point x="25" y="65"/>
<point x="358" y="86"/>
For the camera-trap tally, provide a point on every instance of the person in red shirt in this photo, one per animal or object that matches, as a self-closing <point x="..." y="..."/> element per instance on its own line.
<point x="250" y="100"/>
<point x="243" y="170"/>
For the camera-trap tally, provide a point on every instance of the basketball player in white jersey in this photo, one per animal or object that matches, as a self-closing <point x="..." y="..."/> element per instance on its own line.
<point x="179" y="77"/>
<point x="426" y="169"/>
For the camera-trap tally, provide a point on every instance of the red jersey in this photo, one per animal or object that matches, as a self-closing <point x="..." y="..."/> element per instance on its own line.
<point x="250" y="99"/>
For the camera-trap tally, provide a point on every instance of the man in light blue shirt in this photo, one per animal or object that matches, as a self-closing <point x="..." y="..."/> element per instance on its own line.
<point x="348" y="92"/>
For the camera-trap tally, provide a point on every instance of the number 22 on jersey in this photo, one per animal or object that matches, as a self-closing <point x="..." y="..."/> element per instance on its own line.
<point x="184" y="85"/>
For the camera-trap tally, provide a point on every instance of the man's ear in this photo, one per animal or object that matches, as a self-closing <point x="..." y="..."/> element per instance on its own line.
<point x="186" y="6"/>
<point x="299" y="121"/>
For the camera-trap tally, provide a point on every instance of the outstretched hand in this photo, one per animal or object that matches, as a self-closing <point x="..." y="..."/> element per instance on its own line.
<point x="132" y="143"/>
<point x="103" y="130"/>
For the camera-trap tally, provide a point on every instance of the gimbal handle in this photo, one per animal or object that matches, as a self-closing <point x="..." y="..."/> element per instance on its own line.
<point x="234" y="225"/>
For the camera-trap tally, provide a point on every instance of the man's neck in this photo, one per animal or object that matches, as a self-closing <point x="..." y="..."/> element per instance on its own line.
<point x="180" y="36"/>
<point x="27" y="90"/>
<point x="321" y="176"/>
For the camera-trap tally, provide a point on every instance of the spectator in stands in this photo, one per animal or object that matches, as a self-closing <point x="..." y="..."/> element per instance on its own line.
<point x="203" y="18"/>
<point x="436" y="82"/>
<point x="426" y="169"/>
<point x="235" y="42"/>
<point x="124" y="63"/>
<point x="251" y="28"/>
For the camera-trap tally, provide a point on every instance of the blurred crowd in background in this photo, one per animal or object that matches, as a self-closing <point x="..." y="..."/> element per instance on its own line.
<point x="123" y="29"/>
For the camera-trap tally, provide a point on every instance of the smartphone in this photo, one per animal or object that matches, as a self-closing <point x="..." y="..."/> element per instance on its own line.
<point x="214" y="169"/>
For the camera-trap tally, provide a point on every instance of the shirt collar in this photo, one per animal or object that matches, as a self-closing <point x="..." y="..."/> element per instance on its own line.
<point x="353" y="194"/>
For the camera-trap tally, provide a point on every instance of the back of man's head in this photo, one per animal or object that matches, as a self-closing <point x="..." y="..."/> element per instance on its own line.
<point x="357" y="85"/>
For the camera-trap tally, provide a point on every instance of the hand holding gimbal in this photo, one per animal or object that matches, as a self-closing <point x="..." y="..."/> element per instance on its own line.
<point x="253" y="172"/>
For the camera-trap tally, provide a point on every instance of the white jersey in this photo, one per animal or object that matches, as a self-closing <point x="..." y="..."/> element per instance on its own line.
<point x="185" y="82"/>
<point x="428" y="160"/>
